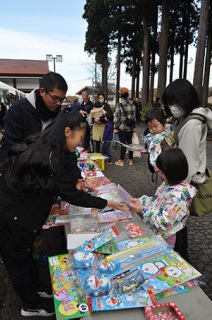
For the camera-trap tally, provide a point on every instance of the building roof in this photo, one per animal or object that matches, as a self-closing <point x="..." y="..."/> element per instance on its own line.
<point x="17" y="67"/>
<point x="86" y="88"/>
<point x="111" y="89"/>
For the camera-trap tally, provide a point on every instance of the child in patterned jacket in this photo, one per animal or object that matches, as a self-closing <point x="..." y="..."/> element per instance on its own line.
<point x="158" y="130"/>
<point x="167" y="211"/>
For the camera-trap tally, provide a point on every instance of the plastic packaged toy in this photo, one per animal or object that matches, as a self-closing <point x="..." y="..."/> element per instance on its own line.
<point x="82" y="260"/>
<point x="129" y="281"/>
<point x="97" y="285"/>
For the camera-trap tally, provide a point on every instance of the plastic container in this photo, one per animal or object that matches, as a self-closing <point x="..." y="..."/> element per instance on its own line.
<point x="83" y="220"/>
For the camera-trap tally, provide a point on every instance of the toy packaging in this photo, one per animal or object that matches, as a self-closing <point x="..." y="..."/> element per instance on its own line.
<point x="113" y="216"/>
<point x="96" y="242"/>
<point x="97" y="181"/>
<point x="164" y="311"/>
<point x="58" y="215"/>
<point x="124" y="195"/>
<point x="69" y="303"/>
<point x="123" y="279"/>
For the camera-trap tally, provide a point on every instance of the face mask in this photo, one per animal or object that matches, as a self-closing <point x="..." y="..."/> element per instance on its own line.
<point x="176" y="111"/>
<point x="101" y="100"/>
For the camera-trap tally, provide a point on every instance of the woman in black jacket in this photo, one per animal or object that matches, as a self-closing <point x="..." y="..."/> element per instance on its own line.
<point x="33" y="175"/>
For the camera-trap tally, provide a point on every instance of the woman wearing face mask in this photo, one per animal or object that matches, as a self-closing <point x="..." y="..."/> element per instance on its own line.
<point x="99" y="122"/>
<point x="190" y="134"/>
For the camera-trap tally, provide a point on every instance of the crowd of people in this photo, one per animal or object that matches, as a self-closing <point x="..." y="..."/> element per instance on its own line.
<point x="38" y="163"/>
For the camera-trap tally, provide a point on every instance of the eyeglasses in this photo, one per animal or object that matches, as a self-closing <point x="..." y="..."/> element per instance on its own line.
<point x="55" y="99"/>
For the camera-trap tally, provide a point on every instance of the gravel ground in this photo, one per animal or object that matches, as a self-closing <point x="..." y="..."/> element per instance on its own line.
<point x="137" y="180"/>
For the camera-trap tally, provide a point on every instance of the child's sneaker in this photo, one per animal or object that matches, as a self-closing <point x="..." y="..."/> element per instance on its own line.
<point x="199" y="178"/>
<point x="130" y="162"/>
<point x="120" y="163"/>
<point x="110" y="162"/>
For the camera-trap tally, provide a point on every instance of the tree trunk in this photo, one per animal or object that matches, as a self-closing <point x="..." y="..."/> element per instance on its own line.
<point x="181" y="63"/>
<point x="200" y="53"/>
<point x="173" y="43"/>
<point x="186" y="39"/>
<point x="104" y="75"/>
<point x="133" y="76"/>
<point x="145" y="84"/>
<point x="137" y="78"/>
<point x="163" y="48"/>
<point x="152" y="78"/>
<point x="118" y="64"/>
<point x="171" y="65"/>
<point x="152" y="75"/>
<point x="207" y="65"/>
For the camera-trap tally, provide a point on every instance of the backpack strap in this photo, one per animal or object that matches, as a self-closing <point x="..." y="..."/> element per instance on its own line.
<point x="170" y="140"/>
<point x="197" y="116"/>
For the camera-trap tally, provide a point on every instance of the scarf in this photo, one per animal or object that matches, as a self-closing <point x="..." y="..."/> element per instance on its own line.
<point x="43" y="111"/>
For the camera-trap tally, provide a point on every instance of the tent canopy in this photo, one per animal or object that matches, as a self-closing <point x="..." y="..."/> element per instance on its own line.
<point x="11" y="89"/>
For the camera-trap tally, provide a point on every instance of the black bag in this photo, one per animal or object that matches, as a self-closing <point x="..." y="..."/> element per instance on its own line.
<point x="129" y="122"/>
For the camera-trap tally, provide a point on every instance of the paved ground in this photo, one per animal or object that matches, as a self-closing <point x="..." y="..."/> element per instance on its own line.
<point x="136" y="180"/>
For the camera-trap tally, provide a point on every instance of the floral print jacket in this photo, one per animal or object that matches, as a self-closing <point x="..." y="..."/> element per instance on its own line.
<point x="167" y="211"/>
<point x="152" y="143"/>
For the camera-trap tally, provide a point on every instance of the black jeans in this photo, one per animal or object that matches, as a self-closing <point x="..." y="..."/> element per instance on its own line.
<point x="97" y="143"/>
<point x="24" y="276"/>
<point x="126" y="138"/>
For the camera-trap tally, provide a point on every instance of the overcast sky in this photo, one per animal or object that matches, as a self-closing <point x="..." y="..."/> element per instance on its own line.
<point x="30" y="29"/>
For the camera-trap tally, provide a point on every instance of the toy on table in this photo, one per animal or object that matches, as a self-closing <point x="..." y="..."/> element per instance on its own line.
<point x="124" y="195"/>
<point x="124" y="259"/>
<point x="97" y="285"/>
<point x="97" y="181"/>
<point x="113" y="216"/>
<point x="98" y="241"/>
<point x="108" y="267"/>
<point x="134" y="231"/>
<point x="129" y="281"/>
<point x="82" y="260"/>
<point x="108" y="248"/>
<point x="77" y="154"/>
<point x="58" y="215"/>
<point x="83" y="220"/>
<point x="164" y="311"/>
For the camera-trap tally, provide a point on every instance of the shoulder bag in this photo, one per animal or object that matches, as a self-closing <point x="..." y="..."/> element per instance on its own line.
<point x="129" y="122"/>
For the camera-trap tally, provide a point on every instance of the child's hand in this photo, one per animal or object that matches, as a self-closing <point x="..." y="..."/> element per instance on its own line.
<point x="137" y="208"/>
<point x="102" y="141"/>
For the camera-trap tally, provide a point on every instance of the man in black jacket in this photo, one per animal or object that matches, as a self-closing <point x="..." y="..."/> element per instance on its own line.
<point x="85" y="109"/>
<point x="33" y="114"/>
<point x="86" y="104"/>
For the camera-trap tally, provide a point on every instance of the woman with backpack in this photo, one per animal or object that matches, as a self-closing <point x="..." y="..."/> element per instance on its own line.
<point x="181" y="100"/>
